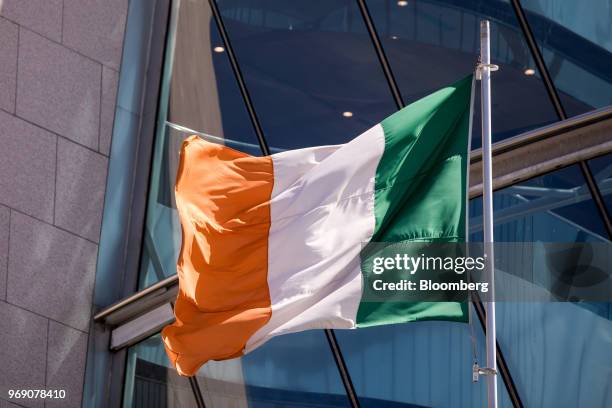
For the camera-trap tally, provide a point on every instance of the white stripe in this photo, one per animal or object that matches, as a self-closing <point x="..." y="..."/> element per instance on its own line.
<point x="322" y="211"/>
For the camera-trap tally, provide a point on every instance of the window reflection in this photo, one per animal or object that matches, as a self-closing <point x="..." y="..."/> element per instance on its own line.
<point x="418" y="364"/>
<point x="601" y="168"/>
<point x="430" y="44"/>
<point x="199" y="95"/>
<point x="201" y="88"/>
<point x="294" y="370"/>
<point x="151" y="382"/>
<point x="305" y="64"/>
<point x="556" y="207"/>
<point x="576" y="43"/>
<point x="591" y="23"/>
<point x="553" y="349"/>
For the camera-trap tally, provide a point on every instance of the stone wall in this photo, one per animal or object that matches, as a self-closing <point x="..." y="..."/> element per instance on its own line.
<point x="59" y="63"/>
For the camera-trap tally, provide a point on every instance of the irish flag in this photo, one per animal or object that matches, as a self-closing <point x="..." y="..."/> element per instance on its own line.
<point x="271" y="245"/>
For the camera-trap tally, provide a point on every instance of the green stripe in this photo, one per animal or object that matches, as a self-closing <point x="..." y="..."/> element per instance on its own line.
<point x="420" y="191"/>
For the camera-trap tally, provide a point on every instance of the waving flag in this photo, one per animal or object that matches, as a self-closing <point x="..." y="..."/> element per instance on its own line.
<point x="271" y="245"/>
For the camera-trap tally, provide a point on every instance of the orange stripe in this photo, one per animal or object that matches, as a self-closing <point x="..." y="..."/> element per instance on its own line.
<point x="223" y="200"/>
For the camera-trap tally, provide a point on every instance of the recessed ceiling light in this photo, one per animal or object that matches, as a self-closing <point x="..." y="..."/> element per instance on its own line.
<point x="218" y="49"/>
<point x="394" y="37"/>
<point x="402" y="3"/>
<point x="347" y="114"/>
<point x="530" y="71"/>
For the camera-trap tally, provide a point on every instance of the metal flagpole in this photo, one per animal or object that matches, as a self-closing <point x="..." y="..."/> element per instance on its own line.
<point x="485" y="69"/>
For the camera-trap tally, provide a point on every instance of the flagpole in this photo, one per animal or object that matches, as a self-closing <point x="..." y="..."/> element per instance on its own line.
<point x="485" y="68"/>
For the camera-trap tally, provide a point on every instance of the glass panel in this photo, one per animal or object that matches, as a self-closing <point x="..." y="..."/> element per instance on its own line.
<point x="424" y="364"/>
<point x="431" y="44"/>
<point x="199" y="96"/>
<point x="293" y="370"/>
<point x="290" y="370"/>
<point x="201" y="89"/>
<point x="557" y="352"/>
<point x="592" y="23"/>
<point x="601" y="168"/>
<point x="576" y="43"/>
<point x="310" y="68"/>
<point x="150" y="380"/>
<point x="556" y="207"/>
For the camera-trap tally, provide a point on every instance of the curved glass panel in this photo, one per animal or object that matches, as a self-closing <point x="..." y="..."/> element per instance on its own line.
<point x="431" y="44"/>
<point x="202" y="93"/>
<point x="576" y="42"/>
<point x="601" y="168"/>
<point x="150" y="380"/>
<point x="419" y="364"/>
<point x="556" y="207"/>
<point x="592" y="22"/>
<point x="293" y="370"/>
<point x="557" y="352"/>
<point x="310" y="69"/>
<point x="199" y="95"/>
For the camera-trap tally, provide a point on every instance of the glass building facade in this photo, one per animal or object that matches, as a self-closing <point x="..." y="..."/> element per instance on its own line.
<point x="264" y="76"/>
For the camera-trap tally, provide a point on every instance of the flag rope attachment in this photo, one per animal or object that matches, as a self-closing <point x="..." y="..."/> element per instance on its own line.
<point x="473" y="341"/>
<point x="480" y="66"/>
<point x="483" y="73"/>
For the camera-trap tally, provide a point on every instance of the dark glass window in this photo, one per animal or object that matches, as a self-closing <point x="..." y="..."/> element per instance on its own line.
<point x="431" y="44"/>
<point x="556" y="207"/>
<point x="601" y="168"/>
<point x="150" y="380"/>
<point x="199" y="95"/>
<point x="591" y="23"/>
<point x="294" y="370"/>
<point x="576" y="43"/>
<point x="202" y="93"/>
<point x="549" y="345"/>
<point x="418" y="364"/>
<point x="310" y="68"/>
